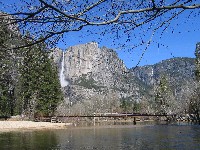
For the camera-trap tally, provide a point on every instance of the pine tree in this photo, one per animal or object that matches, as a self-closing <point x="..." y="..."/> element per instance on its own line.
<point x="40" y="87"/>
<point x="7" y="71"/>
<point x="125" y="104"/>
<point x="29" y="82"/>
<point x="197" y="62"/>
<point x="194" y="106"/>
<point x="163" y="97"/>
<point x="50" y="92"/>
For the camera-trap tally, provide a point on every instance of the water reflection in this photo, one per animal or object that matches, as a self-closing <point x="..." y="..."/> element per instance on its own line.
<point x="151" y="137"/>
<point x="28" y="140"/>
<point x="156" y="137"/>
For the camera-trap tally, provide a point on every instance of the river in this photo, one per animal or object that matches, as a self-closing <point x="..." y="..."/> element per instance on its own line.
<point x="111" y="137"/>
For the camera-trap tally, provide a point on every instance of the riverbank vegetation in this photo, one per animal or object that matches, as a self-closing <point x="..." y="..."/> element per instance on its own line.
<point x="29" y="83"/>
<point x="194" y="105"/>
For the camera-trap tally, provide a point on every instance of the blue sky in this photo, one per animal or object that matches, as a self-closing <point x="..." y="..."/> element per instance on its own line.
<point x="180" y="43"/>
<point x="186" y="33"/>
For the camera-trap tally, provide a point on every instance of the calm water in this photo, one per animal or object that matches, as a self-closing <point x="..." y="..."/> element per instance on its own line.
<point x="128" y="137"/>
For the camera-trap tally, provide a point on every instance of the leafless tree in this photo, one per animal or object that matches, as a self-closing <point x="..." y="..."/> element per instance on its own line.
<point x="50" y="20"/>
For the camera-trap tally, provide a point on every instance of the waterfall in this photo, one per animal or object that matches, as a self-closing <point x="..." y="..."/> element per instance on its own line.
<point x="63" y="81"/>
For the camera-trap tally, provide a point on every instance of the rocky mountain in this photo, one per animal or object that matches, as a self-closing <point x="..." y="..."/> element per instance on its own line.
<point x="102" y="64"/>
<point x="99" y="81"/>
<point x="97" y="77"/>
<point x="179" y="73"/>
<point x="177" y="70"/>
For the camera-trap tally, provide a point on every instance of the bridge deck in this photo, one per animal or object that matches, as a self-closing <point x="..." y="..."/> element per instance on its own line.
<point x="119" y="115"/>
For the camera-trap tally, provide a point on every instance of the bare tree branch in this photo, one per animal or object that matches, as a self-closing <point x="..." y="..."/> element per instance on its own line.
<point x="64" y="14"/>
<point x="49" y="19"/>
<point x="144" y="10"/>
<point x="91" y="7"/>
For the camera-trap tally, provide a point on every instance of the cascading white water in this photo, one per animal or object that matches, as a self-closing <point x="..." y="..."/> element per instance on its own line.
<point x="63" y="81"/>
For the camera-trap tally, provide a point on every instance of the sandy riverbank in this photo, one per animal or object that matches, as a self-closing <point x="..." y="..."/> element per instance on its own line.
<point x="17" y="125"/>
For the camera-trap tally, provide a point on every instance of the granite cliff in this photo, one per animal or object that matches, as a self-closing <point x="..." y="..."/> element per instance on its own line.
<point x="100" y="82"/>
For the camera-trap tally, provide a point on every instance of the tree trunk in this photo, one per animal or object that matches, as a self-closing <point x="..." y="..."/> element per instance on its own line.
<point x="198" y="118"/>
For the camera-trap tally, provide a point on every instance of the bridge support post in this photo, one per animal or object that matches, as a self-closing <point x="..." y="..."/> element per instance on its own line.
<point x="94" y="119"/>
<point x="134" y="120"/>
